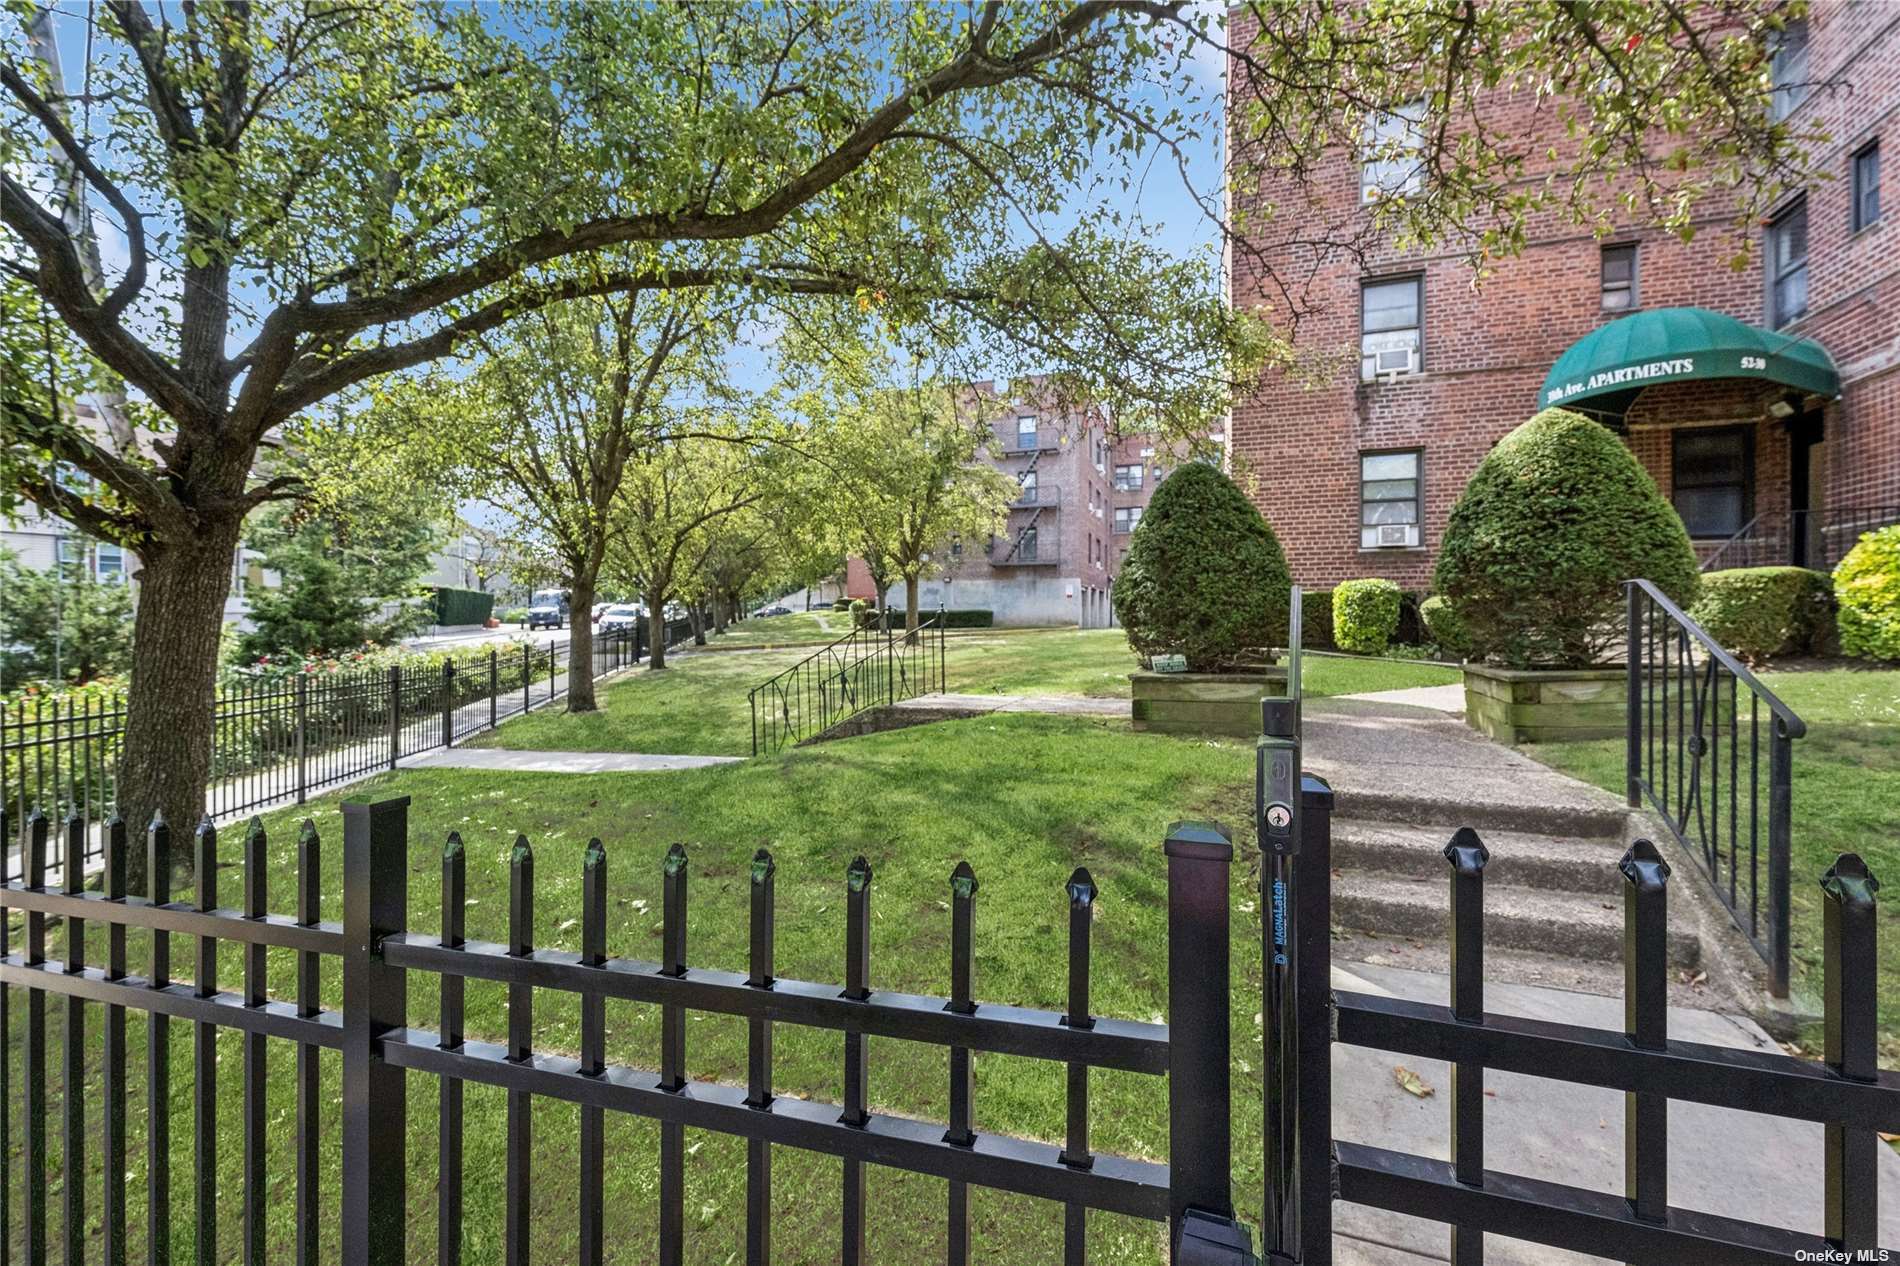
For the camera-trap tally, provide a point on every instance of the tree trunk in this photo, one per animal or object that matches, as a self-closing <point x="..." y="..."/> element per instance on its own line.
<point x="719" y="613"/>
<point x="580" y="647"/>
<point x="165" y="764"/>
<point x="656" y="631"/>
<point x="696" y="616"/>
<point x="910" y="608"/>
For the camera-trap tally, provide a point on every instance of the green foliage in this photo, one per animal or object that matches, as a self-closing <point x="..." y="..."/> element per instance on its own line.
<point x="513" y="615"/>
<point x="1867" y="584"/>
<point x="1759" y="612"/>
<point x="61" y="625"/>
<point x="1316" y="619"/>
<point x="463" y="606"/>
<point x="1204" y="576"/>
<point x="336" y="574"/>
<point x="1365" y="615"/>
<point x="1444" y="626"/>
<point x="969" y="618"/>
<point x="1536" y="551"/>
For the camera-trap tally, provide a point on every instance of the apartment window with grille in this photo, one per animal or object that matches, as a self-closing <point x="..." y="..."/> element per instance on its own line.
<point x="1025" y="432"/>
<point x="1388" y="500"/>
<point x="1867" y="186"/>
<point x="1619" y="277"/>
<point x="1789" y="69"/>
<point x="1126" y="518"/>
<point x="1710" y="479"/>
<point x="1391" y="327"/>
<point x="1392" y="167"/>
<point x="1788" y="264"/>
<point x="1128" y="478"/>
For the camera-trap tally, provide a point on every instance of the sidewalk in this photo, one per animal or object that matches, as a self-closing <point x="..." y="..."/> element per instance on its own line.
<point x="1736" y="1164"/>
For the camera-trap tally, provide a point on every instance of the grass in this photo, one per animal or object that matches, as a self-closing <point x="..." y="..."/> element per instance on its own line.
<point x="1846" y="799"/>
<point x="815" y="627"/>
<point x="698" y="705"/>
<point x="1024" y="798"/>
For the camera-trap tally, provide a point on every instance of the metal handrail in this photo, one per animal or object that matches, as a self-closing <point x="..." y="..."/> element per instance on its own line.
<point x="1746" y="533"/>
<point x="1791" y="723"/>
<point x="837" y="685"/>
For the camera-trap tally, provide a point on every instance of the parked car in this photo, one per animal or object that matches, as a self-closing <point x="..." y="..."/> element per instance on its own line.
<point x="776" y="611"/>
<point x="622" y="616"/>
<point x="600" y="609"/>
<point x="546" y="615"/>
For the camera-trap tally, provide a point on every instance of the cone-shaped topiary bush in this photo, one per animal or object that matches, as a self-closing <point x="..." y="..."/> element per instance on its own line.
<point x="1204" y="576"/>
<point x="1535" y="554"/>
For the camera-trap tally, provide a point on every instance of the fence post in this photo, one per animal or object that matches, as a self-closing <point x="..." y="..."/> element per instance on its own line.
<point x="1780" y="813"/>
<point x="1848" y="944"/>
<point x="375" y="1001"/>
<point x="448" y="704"/>
<point x="1633" y="696"/>
<point x="1202" y="1229"/>
<point x="527" y="673"/>
<point x="395" y="713"/>
<point x="1646" y="1022"/>
<point x="494" y="683"/>
<point x="303" y="742"/>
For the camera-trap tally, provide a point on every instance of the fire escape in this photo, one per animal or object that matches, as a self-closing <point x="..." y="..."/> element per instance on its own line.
<point x="1035" y="508"/>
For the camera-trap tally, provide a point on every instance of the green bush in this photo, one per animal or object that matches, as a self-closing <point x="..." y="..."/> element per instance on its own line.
<point x="463" y="606"/>
<point x="1756" y="612"/>
<point x="514" y="615"/>
<point x="1365" y="615"/>
<point x="1444" y="626"/>
<point x="1536" y="551"/>
<point x="1316" y="619"/>
<point x="969" y="618"/>
<point x="1204" y="576"/>
<point x="1867" y="585"/>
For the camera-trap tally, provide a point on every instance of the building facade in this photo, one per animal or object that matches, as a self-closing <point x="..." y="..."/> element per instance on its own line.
<point x="1771" y="414"/>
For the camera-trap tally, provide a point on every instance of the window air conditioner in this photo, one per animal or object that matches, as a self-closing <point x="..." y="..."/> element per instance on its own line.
<point x="1397" y="534"/>
<point x="1394" y="361"/>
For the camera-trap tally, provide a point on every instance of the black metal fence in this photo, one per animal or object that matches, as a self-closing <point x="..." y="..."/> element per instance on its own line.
<point x="866" y="668"/>
<point x="1845" y="1091"/>
<point x="1803" y="538"/>
<point x="279" y="741"/>
<point x="384" y="958"/>
<point x="1711" y="750"/>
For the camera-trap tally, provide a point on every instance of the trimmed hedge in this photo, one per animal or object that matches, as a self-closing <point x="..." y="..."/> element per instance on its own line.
<point x="962" y="618"/>
<point x="1867" y="585"/>
<point x="1365" y="615"/>
<point x="1316" y="619"/>
<point x="1536" y="551"/>
<point x="463" y="606"/>
<point x="1444" y="626"/>
<point x="1204" y="576"/>
<point x="1757" y="612"/>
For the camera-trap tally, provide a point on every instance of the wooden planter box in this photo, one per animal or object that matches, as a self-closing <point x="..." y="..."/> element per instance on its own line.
<point x="1204" y="703"/>
<point x="1545" y="705"/>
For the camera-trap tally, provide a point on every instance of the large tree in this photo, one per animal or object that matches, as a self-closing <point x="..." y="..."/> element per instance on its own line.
<point x="314" y="193"/>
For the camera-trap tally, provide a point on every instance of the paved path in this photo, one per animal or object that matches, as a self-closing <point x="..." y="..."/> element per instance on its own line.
<point x="559" y="762"/>
<point x="1438" y="698"/>
<point x="1736" y="1164"/>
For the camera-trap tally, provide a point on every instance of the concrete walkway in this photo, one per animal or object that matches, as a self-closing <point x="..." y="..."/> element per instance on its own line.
<point x="1736" y="1164"/>
<point x="559" y="762"/>
<point x="1437" y="698"/>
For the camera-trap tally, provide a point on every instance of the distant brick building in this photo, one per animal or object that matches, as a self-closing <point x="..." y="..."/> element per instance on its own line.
<point x="1765" y="462"/>
<point x="1062" y="543"/>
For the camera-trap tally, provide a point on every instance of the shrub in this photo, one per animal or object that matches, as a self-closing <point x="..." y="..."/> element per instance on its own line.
<point x="1536" y="551"/>
<point x="1204" y="576"/>
<point x="970" y="618"/>
<point x="1365" y="615"/>
<point x="1867" y="584"/>
<point x="1757" y="612"/>
<point x="967" y="618"/>
<point x="1446" y="629"/>
<point x="462" y="606"/>
<point x="514" y="615"/>
<point x="1316" y="618"/>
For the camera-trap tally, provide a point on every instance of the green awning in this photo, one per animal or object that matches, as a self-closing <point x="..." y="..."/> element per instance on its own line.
<point x="1603" y="371"/>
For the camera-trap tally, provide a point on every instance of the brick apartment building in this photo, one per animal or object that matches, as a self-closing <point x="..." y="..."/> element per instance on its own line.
<point x="1771" y="414"/>
<point x="1063" y="539"/>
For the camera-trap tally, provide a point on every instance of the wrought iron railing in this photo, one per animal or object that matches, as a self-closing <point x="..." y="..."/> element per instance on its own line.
<point x="1700" y="731"/>
<point x="1804" y="538"/>
<point x="867" y="668"/>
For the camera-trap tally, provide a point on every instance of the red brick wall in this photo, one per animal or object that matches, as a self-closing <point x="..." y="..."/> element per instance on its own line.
<point x="1487" y="347"/>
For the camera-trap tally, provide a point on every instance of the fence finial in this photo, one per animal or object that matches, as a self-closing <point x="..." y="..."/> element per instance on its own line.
<point x="1466" y="851"/>
<point x="1644" y="866"/>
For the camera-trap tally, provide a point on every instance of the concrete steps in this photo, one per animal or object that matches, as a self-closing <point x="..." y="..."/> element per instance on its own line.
<point x="1544" y="894"/>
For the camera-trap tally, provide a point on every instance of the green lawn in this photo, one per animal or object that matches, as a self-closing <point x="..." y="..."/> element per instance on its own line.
<point x="698" y="706"/>
<point x="817" y="627"/>
<point x="1846" y="799"/>
<point x="1024" y="798"/>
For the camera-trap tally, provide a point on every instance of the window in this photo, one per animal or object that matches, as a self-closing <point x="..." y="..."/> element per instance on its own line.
<point x="1128" y="478"/>
<point x="109" y="562"/>
<point x="1026" y="548"/>
<point x="1391" y="167"/>
<point x="1788" y="264"/>
<point x="72" y="554"/>
<point x="1866" y="186"/>
<point x="956" y="547"/>
<point x="1028" y="481"/>
<point x="1619" y="277"/>
<point x="1390" y="327"/>
<point x="1388" y="499"/>
<point x="1126" y="518"/>
<point x="1025" y="432"/>
<point x="1789" y="69"/>
<point x="1710" y="478"/>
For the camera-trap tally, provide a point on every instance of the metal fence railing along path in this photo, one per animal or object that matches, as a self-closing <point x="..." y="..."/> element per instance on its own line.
<point x="279" y="742"/>
<point x="866" y="668"/>
<point x="1710" y="750"/>
<point x="386" y="962"/>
